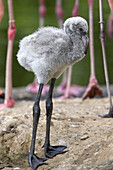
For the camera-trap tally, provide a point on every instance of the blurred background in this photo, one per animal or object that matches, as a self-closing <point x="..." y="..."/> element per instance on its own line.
<point x="26" y="14"/>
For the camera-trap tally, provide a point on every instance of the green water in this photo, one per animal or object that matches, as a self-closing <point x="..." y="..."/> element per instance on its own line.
<point x="27" y="21"/>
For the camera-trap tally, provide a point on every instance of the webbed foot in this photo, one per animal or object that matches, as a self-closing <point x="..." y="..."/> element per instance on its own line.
<point x="7" y="104"/>
<point x="35" y="161"/>
<point x="73" y="91"/>
<point x="52" y="151"/>
<point x="93" y="89"/>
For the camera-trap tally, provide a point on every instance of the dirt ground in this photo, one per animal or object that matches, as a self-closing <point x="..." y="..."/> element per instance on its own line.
<point x="75" y="123"/>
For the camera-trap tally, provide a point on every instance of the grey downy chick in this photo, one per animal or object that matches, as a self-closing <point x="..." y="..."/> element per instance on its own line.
<point x="49" y="51"/>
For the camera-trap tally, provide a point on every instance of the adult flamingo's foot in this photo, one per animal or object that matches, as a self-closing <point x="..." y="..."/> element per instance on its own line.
<point x="107" y="115"/>
<point x="73" y="91"/>
<point x="33" y="88"/>
<point x="61" y="88"/>
<point x="110" y="26"/>
<point x="45" y="90"/>
<point x="7" y="104"/>
<point x="93" y="89"/>
<point x="2" y="94"/>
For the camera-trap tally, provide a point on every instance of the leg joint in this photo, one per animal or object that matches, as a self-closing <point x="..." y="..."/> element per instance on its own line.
<point x="36" y="109"/>
<point x="49" y="106"/>
<point x="102" y="35"/>
<point x="49" y="103"/>
<point x="11" y="33"/>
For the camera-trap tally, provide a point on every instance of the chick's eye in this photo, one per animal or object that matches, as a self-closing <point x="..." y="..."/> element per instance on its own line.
<point x="80" y="29"/>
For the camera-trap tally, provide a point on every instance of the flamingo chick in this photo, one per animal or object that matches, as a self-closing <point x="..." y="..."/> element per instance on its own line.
<point x="47" y="53"/>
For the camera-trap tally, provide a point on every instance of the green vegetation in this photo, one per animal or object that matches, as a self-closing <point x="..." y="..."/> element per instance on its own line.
<point x="27" y="21"/>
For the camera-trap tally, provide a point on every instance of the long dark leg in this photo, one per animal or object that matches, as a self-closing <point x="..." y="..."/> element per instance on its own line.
<point x="102" y="38"/>
<point x="51" y="151"/>
<point x="35" y="161"/>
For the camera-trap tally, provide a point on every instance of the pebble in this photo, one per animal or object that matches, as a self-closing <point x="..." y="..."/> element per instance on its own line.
<point x="81" y="116"/>
<point x="76" y="126"/>
<point x="26" y="115"/>
<point x="110" y="128"/>
<point x="3" y="132"/>
<point x="1" y="121"/>
<point x="87" y="113"/>
<point x="96" y="153"/>
<point x="84" y="137"/>
<point x="62" y="142"/>
<point x="99" y="107"/>
<point x="77" y="136"/>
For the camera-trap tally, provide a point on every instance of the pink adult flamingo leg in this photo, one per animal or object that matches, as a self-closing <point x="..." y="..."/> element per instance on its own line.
<point x="1" y="10"/>
<point x="93" y="87"/>
<point x="33" y="87"/>
<point x="110" y="25"/>
<point x="102" y="38"/>
<point x="111" y="4"/>
<point x="2" y="95"/>
<point x="42" y="12"/>
<point x="59" y="13"/>
<point x="9" y="101"/>
<point x="65" y="88"/>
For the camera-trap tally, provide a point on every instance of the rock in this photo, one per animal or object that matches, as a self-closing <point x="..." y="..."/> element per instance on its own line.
<point x="84" y="137"/>
<point x="62" y="142"/>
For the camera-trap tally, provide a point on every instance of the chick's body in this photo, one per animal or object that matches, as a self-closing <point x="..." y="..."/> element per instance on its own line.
<point x="49" y="51"/>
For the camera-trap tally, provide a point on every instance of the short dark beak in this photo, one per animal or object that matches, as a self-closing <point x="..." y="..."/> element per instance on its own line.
<point x="86" y="42"/>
